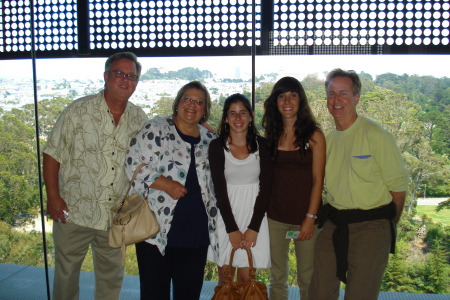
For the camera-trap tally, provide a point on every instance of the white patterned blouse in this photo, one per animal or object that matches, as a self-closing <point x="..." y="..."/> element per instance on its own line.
<point x="159" y="145"/>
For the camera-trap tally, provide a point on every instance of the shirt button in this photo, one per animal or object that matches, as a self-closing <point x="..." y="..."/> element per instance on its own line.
<point x="110" y="199"/>
<point x="112" y="184"/>
<point x="112" y="168"/>
<point x="113" y="153"/>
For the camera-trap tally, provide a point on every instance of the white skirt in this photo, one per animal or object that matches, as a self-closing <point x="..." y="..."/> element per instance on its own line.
<point x="242" y="200"/>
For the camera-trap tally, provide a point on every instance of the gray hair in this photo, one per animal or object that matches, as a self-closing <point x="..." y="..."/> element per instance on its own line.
<point x="123" y="55"/>
<point x="198" y="86"/>
<point x="356" y="87"/>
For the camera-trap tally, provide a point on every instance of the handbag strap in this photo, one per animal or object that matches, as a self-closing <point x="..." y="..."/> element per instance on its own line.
<point x="130" y="184"/>
<point x="134" y="177"/>
<point x="252" y="270"/>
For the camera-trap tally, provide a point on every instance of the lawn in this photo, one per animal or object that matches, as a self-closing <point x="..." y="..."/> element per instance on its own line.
<point x="443" y="216"/>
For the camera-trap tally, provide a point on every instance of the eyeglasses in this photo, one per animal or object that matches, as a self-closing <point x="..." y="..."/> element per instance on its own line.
<point x="197" y="102"/>
<point x="120" y="74"/>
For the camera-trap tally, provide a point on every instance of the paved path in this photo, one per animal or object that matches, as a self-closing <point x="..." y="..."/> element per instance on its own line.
<point x="430" y="201"/>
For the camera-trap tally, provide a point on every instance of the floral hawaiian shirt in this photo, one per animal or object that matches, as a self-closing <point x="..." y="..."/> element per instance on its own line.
<point x="159" y="145"/>
<point x="91" y="151"/>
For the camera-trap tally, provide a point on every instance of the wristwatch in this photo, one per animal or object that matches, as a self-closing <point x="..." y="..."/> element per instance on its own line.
<point x="311" y="216"/>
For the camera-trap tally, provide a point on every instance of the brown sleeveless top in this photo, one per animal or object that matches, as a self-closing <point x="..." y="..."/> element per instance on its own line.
<point x="291" y="187"/>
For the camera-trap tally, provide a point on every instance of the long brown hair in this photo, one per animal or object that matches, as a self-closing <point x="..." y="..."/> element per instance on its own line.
<point x="272" y="120"/>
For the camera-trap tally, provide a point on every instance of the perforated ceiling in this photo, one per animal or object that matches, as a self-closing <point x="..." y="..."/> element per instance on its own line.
<point x="359" y="25"/>
<point x="205" y="27"/>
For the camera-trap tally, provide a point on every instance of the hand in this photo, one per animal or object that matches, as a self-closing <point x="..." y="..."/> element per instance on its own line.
<point x="55" y="207"/>
<point x="236" y="238"/>
<point x="306" y="229"/>
<point x="250" y="237"/>
<point x="207" y="126"/>
<point x="173" y="188"/>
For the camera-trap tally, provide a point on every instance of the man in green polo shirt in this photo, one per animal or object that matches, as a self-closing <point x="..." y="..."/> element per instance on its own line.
<point x="84" y="177"/>
<point x="366" y="182"/>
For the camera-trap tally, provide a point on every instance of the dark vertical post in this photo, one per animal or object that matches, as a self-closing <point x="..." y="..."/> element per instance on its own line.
<point x="83" y="27"/>
<point x="38" y="148"/>
<point x="266" y="24"/>
<point x="253" y="50"/>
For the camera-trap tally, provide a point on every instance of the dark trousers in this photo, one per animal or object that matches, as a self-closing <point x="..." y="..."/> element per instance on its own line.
<point x="185" y="267"/>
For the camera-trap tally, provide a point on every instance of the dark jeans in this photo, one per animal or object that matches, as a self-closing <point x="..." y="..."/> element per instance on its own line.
<point x="183" y="266"/>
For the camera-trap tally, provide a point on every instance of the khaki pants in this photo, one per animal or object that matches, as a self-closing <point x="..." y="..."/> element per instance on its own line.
<point x="71" y="245"/>
<point x="369" y="246"/>
<point x="279" y="254"/>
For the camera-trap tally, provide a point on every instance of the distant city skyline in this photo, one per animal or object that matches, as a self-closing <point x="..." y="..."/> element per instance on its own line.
<point x="233" y="66"/>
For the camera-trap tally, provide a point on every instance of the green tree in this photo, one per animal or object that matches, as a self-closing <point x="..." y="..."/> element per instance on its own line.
<point x="431" y="119"/>
<point x="424" y="166"/>
<point x="441" y="137"/>
<point x="215" y="115"/>
<point x="437" y="271"/>
<point x="263" y="91"/>
<point x="396" y="277"/>
<point x="24" y="248"/>
<point x="162" y="107"/>
<point x="320" y="112"/>
<point x="395" y="113"/>
<point x="367" y="83"/>
<point x="437" y="233"/>
<point x="18" y="169"/>
<point x="314" y="88"/>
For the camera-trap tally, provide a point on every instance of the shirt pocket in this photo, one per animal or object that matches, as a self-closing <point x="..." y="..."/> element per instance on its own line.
<point x="363" y="167"/>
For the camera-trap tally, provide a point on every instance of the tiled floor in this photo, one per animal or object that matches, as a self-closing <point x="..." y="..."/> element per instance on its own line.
<point x="18" y="282"/>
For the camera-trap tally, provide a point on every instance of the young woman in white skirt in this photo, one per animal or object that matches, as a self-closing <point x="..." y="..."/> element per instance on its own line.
<point x="241" y="172"/>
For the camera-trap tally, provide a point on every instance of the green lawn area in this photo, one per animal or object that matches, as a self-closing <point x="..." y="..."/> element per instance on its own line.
<point x="443" y="216"/>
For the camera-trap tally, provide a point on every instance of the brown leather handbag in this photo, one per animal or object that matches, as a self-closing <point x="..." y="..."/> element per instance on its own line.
<point x="249" y="290"/>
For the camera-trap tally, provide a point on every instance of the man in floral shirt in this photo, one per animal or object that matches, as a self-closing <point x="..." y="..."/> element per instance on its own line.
<point x="84" y="178"/>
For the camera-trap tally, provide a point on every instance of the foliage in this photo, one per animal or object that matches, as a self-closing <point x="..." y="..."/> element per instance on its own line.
<point x="25" y="248"/>
<point x="438" y="271"/>
<point x="438" y="235"/>
<point x="162" y="107"/>
<point x="314" y="88"/>
<point x="185" y="73"/>
<point x="443" y="205"/>
<point x="437" y="126"/>
<point x="18" y="169"/>
<point x="406" y="228"/>
<point x="320" y="111"/>
<point x="19" y="193"/>
<point x="396" y="277"/>
<point x="395" y="113"/>
<point x="262" y="91"/>
<point x="433" y="275"/>
<point x="211" y="272"/>
<point x="423" y="90"/>
<point x="425" y="167"/>
<point x="426" y="273"/>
